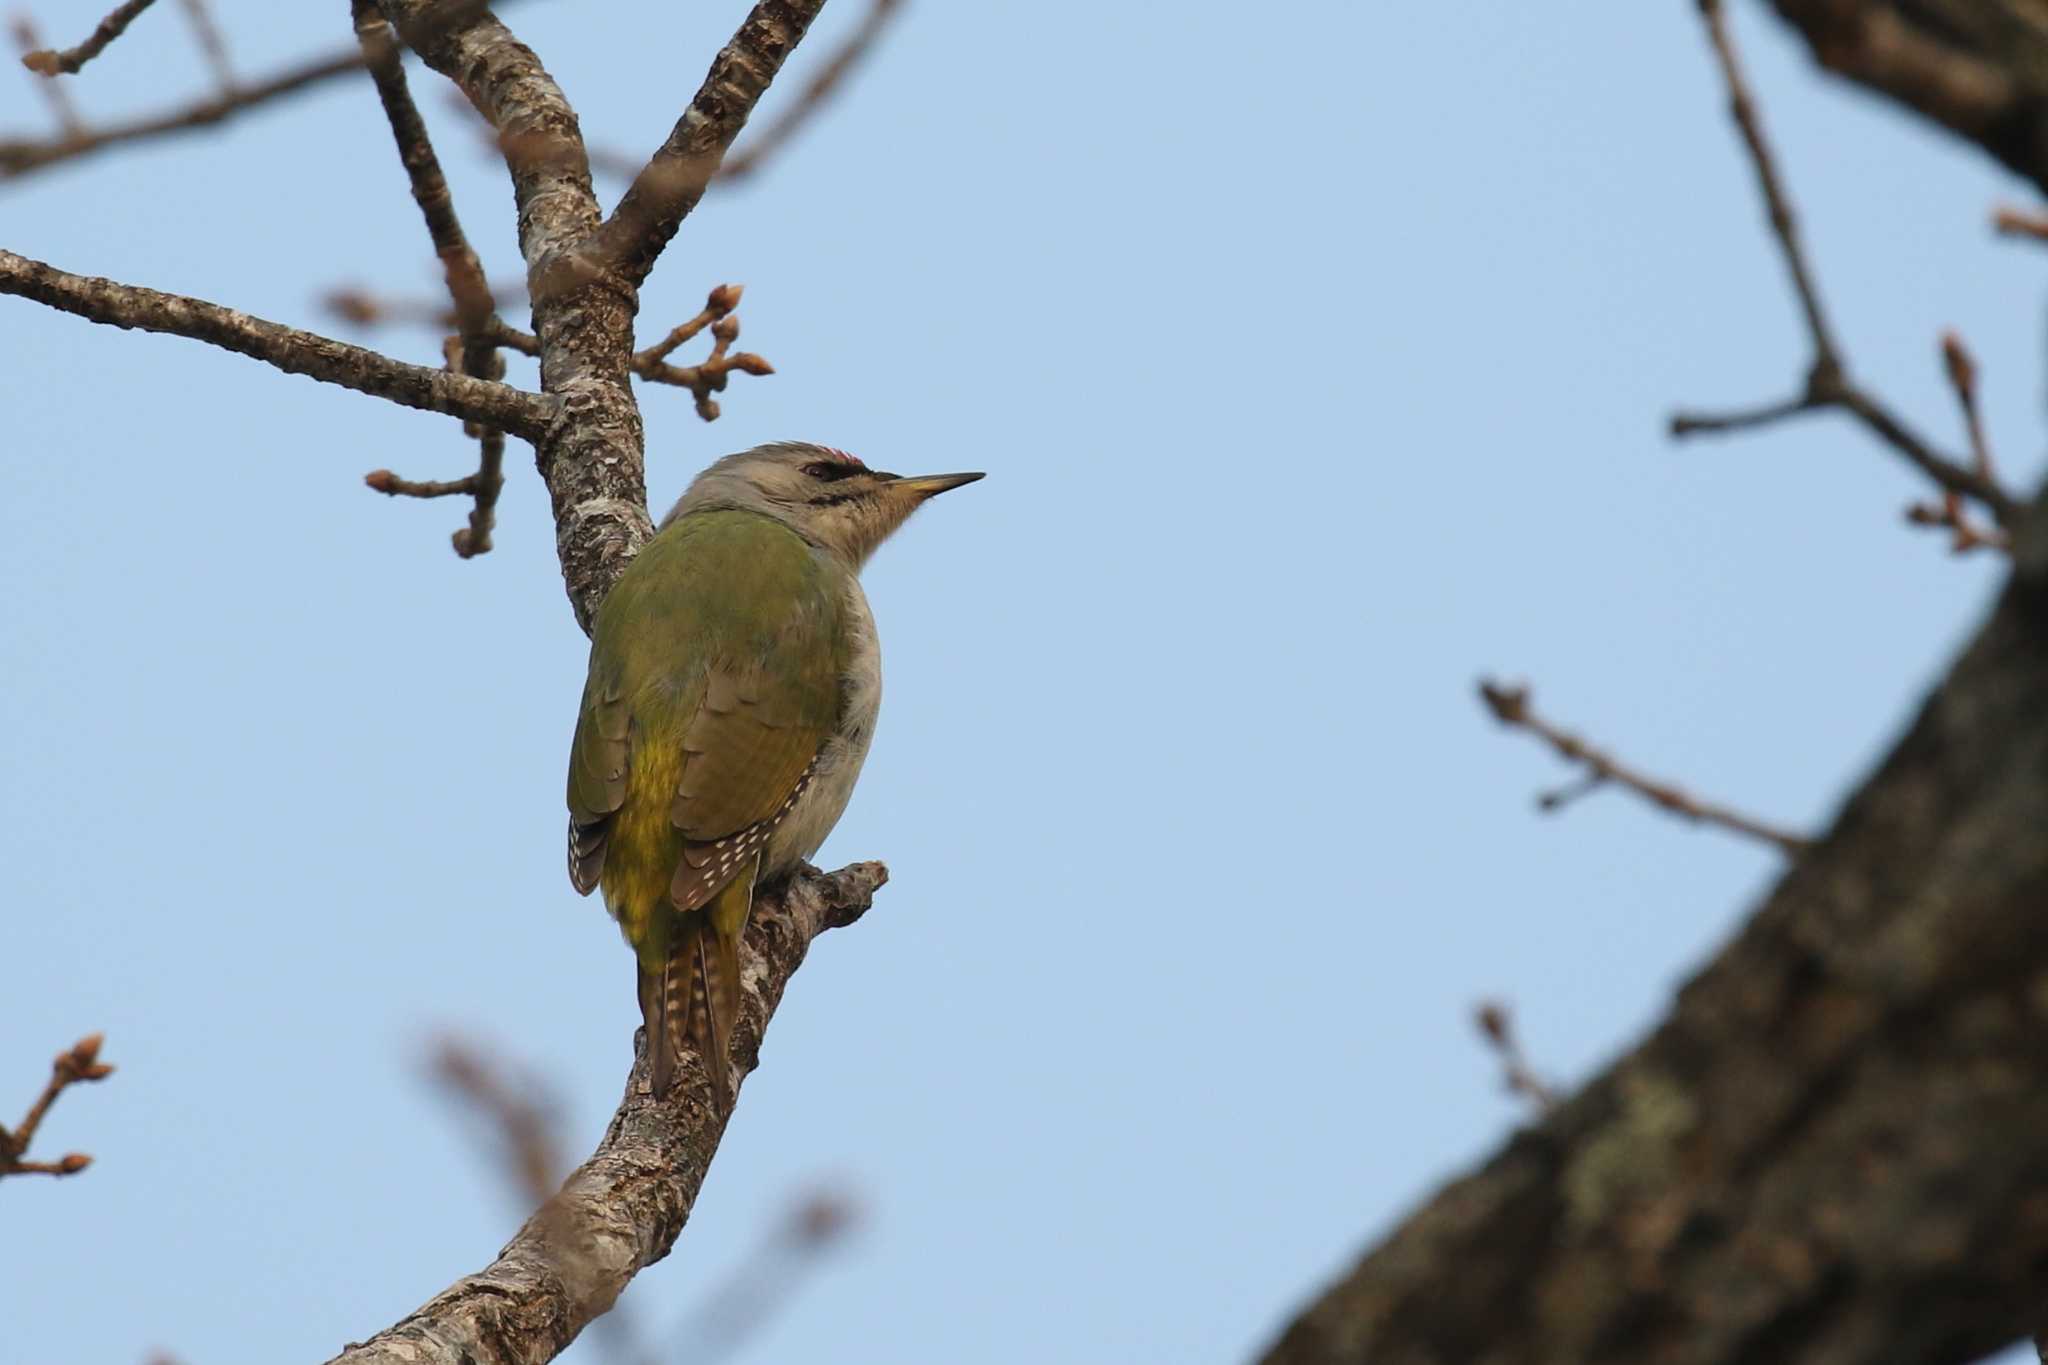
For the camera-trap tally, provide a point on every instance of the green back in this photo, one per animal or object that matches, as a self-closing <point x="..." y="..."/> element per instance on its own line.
<point x="715" y="678"/>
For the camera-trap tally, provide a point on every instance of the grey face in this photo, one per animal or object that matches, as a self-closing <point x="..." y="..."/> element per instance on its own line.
<point x="825" y="495"/>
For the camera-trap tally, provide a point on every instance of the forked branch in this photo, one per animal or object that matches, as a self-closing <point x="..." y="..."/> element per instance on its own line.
<point x="706" y="377"/>
<point x="672" y="182"/>
<point x="1951" y="511"/>
<point x="79" y="1062"/>
<point x="1828" y="384"/>
<point x="472" y="352"/>
<point x="746" y="160"/>
<point x="1510" y="706"/>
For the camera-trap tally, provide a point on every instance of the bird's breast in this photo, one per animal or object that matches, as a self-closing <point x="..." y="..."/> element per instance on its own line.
<point x="839" y="762"/>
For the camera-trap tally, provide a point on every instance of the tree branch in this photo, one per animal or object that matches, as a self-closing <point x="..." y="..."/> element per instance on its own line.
<point x="538" y="131"/>
<point x="44" y="62"/>
<point x="1950" y="511"/>
<point x="474" y="353"/>
<point x="2007" y="221"/>
<point x="388" y="483"/>
<point x="527" y="415"/>
<point x="672" y="182"/>
<point x="1831" y="1149"/>
<point x="19" y="156"/>
<point x="594" y="462"/>
<point x="706" y="377"/>
<point x="1510" y="706"/>
<point x="750" y="158"/>
<point x="583" y="301"/>
<point x="213" y="45"/>
<point x="1977" y="67"/>
<point x="1496" y="1023"/>
<point x="28" y="42"/>
<point x="79" y="1062"/>
<point x="1828" y="384"/>
<point x="622" y="1210"/>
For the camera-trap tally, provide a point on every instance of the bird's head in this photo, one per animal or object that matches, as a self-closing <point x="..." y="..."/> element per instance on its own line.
<point x="826" y="496"/>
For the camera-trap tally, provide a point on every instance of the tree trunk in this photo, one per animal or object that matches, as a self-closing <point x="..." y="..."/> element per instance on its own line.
<point x="1835" y="1146"/>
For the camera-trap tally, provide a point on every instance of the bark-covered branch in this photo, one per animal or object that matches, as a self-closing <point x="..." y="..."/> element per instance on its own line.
<point x="622" y="1210"/>
<point x="471" y="352"/>
<point x="528" y="415"/>
<point x="663" y="194"/>
<point x="1833" y="1148"/>
<point x="1977" y="67"/>
<point x="625" y="1207"/>
<point x="585" y="284"/>
<point x="594" y="463"/>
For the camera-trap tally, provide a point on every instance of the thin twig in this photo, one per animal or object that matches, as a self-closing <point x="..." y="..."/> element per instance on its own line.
<point x="359" y="306"/>
<point x="475" y="538"/>
<point x="1951" y="512"/>
<point x="474" y="353"/>
<point x="1497" y="1026"/>
<point x="1510" y="706"/>
<point x="212" y="43"/>
<point x="1961" y="368"/>
<point x="720" y="302"/>
<point x="459" y="264"/>
<point x="1778" y="204"/>
<point x="29" y="43"/>
<point x="706" y="377"/>
<point x="44" y="62"/>
<point x="748" y="159"/>
<point x="1828" y="385"/>
<point x="526" y="415"/>
<point x="2011" y="222"/>
<point x="77" y="1063"/>
<point x="384" y="481"/>
<point x="20" y="156"/>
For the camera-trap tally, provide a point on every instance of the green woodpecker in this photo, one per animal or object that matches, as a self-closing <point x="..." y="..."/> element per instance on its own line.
<point x="734" y="679"/>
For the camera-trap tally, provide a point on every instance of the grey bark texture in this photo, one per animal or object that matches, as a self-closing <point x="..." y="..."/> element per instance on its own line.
<point x="1834" y="1148"/>
<point x="287" y="348"/>
<point x="1977" y="67"/>
<point x="583" y="272"/>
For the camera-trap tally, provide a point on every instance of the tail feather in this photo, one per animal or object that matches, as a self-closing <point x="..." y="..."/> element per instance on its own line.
<point x="662" y="1006"/>
<point x="712" y="1012"/>
<point x="693" y="1002"/>
<point x="693" y="999"/>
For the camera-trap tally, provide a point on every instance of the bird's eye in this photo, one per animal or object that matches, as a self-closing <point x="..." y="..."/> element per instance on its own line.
<point x="825" y="471"/>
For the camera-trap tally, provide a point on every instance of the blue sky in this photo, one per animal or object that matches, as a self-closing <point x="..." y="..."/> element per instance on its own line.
<point x="1315" y="377"/>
